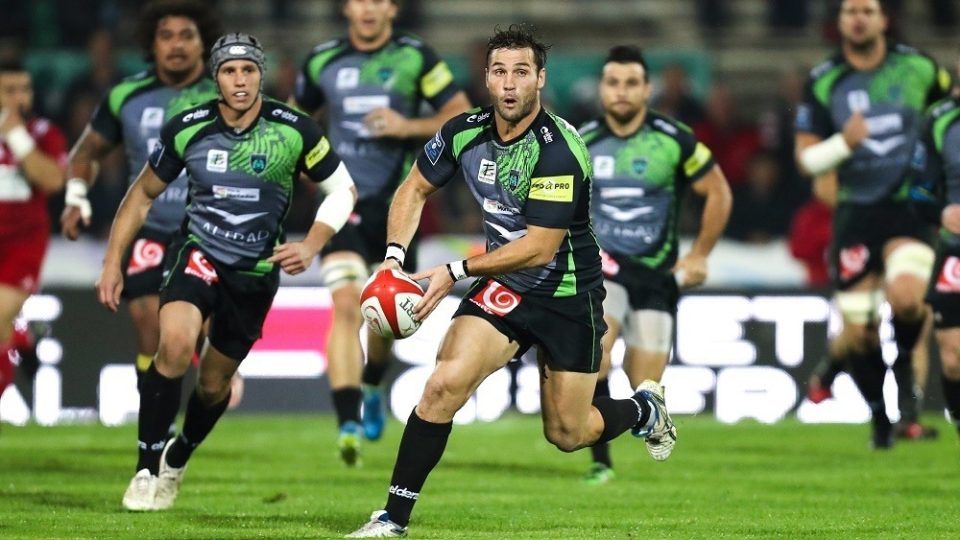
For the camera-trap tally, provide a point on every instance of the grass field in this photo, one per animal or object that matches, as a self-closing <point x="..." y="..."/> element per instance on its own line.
<point x="277" y="477"/>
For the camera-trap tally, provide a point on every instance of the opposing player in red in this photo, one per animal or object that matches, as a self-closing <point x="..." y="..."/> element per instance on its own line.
<point x="33" y="156"/>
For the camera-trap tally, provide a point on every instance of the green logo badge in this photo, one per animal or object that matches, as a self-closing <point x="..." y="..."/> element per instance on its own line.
<point x="258" y="162"/>
<point x="639" y="165"/>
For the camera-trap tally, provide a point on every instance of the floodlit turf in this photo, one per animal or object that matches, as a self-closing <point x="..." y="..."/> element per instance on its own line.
<point x="278" y="477"/>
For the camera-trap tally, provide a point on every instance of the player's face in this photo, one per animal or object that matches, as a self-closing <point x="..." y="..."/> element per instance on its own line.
<point x="624" y="90"/>
<point x="239" y="82"/>
<point x="177" y="45"/>
<point x="16" y="91"/>
<point x="514" y="83"/>
<point x="861" y="22"/>
<point x="369" y="20"/>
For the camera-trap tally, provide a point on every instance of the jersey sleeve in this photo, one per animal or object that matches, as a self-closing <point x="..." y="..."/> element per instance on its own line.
<point x="557" y="185"/>
<point x="437" y="162"/>
<point x="812" y="115"/>
<point x="317" y="160"/>
<point x="436" y="80"/>
<point x="164" y="160"/>
<point x="308" y="94"/>
<point x="696" y="160"/>
<point x="105" y="123"/>
<point x="942" y="85"/>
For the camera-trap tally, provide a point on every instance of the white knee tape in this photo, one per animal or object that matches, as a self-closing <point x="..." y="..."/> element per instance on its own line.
<point x="649" y="330"/>
<point x="616" y="305"/>
<point x="857" y="307"/>
<point x="342" y="272"/>
<point x="913" y="259"/>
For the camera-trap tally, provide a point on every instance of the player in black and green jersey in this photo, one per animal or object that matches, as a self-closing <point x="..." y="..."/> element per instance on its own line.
<point x="856" y="130"/>
<point x="369" y="86"/>
<point x="176" y="35"/>
<point x="938" y="158"/>
<point x="539" y="283"/>
<point x="643" y="162"/>
<point x="242" y="153"/>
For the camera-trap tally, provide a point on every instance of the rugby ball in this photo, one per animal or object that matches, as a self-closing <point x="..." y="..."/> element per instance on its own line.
<point x="386" y="304"/>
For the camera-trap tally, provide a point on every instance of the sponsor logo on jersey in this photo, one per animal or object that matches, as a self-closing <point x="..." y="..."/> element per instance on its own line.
<point x="496" y="299"/>
<point x="236" y="193"/>
<point x="552" y="188"/>
<point x="364" y="104"/>
<point x="701" y="155"/>
<point x="884" y="123"/>
<point x="196" y="115"/>
<point x="146" y="254"/>
<point x="436" y="80"/>
<point x="496" y="207"/>
<point x="348" y="77"/>
<point x="603" y="166"/>
<point x="639" y="165"/>
<point x="858" y="100"/>
<point x="157" y="154"/>
<point x="547" y="134"/>
<point x="217" y="160"/>
<point x="434" y="148"/>
<point x="853" y="261"/>
<point x="234" y="219"/>
<point x="199" y="266"/>
<point x="236" y="236"/>
<point x="513" y="179"/>
<point x="488" y="172"/>
<point x="949" y="279"/>
<point x="317" y="153"/>
<point x="884" y="147"/>
<point x="404" y="492"/>
<point x="477" y="118"/>
<point x="152" y="117"/>
<point x="286" y="115"/>
<point x="667" y="127"/>
<point x="258" y="163"/>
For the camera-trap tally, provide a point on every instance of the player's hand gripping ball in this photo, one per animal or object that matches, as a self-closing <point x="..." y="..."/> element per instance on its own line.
<point x="387" y="301"/>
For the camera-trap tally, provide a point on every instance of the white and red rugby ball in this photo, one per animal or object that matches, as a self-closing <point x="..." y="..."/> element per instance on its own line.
<point x="386" y="304"/>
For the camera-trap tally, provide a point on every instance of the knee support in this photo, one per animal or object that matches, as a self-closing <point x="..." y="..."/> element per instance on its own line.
<point x="336" y="274"/>
<point x="913" y="259"/>
<point x="858" y="307"/>
<point x="649" y="330"/>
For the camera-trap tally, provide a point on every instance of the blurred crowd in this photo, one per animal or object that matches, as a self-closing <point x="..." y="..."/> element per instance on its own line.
<point x="755" y="151"/>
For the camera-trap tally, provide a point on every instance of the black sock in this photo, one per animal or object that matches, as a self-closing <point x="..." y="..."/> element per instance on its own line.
<point x="197" y="424"/>
<point x="868" y="371"/>
<point x="373" y="372"/>
<point x="159" y="403"/>
<point x="906" y="334"/>
<point x="951" y="394"/>
<point x="421" y="446"/>
<point x="346" y="401"/>
<point x="620" y="415"/>
<point x="601" y="450"/>
<point x="828" y="370"/>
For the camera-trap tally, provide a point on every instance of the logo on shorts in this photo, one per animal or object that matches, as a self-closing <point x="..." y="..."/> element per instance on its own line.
<point x="496" y="299"/>
<point x="608" y="265"/>
<point x="853" y="261"/>
<point x="258" y="163"/>
<point x="949" y="279"/>
<point x="146" y="254"/>
<point x="199" y="266"/>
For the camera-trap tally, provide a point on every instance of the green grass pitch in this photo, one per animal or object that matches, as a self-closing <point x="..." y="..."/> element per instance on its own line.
<point x="278" y="477"/>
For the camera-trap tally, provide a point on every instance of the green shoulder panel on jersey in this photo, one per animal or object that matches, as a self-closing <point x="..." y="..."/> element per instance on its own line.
<point x="574" y="142"/>
<point x="908" y="64"/>
<point x="439" y="77"/>
<point x="190" y="122"/>
<point x="129" y="87"/>
<point x="468" y="126"/>
<point x="197" y="93"/>
<point x="943" y="114"/>
<point x="590" y="131"/>
<point x="825" y="75"/>
<point x="403" y="54"/>
<point x="322" y="54"/>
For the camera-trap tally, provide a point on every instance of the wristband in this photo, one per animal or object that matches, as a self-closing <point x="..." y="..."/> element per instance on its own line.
<point x="825" y="155"/>
<point x="76" y="195"/>
<point x="19" y="142"/>
<point x="396" y="252"/>
<point x="458" y="270"/>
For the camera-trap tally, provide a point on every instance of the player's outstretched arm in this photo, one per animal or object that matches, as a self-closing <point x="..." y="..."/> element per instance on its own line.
<point x="692" y="267"/>
<point x="405" y="210"/>
<point x="82" y="171"/>
<point x="386" y="122"/>
<point x="130" y="217"/>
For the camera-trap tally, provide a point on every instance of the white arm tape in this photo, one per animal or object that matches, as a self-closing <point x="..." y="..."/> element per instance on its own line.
<point x="76" y="195"/>
<point x="338" y="202"/>
<point x="20" y="142"/>
<point x="825" y="155"/>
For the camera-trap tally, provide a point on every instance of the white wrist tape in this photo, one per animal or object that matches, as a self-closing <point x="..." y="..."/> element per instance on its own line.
<point x="458" y="270"/>
<point x="825" y="155"/>
<point x="20" y="142"/>
<point x="338" y="203"/>
<point x="397" y="252"/>
<point x="76" y="195"/>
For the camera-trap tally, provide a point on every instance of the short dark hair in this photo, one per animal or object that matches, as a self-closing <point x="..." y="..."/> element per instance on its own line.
<point x="12" y="65"/>
<point x="518" y="36"/>
<point x="197" y="11"/>
<point x="628" y="54"/>
<point x="884" y="6"/>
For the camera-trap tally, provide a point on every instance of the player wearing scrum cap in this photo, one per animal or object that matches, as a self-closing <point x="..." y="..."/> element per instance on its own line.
<point x="242" y="154"/>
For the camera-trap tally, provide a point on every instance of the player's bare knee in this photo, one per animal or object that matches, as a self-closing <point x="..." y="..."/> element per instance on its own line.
<point x="212" y="388"/>
<point x="174" y="353"/>
<point x="346" y="306"/>
<point x="564" y="436"/>
<point x="441" y="399"/>
<point x="907" y="300"/>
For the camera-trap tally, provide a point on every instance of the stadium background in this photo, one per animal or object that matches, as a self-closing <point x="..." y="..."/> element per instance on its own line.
<point x="731" y="69"/>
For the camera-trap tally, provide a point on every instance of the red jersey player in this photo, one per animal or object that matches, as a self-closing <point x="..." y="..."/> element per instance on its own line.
<point x="33" y="158"/>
